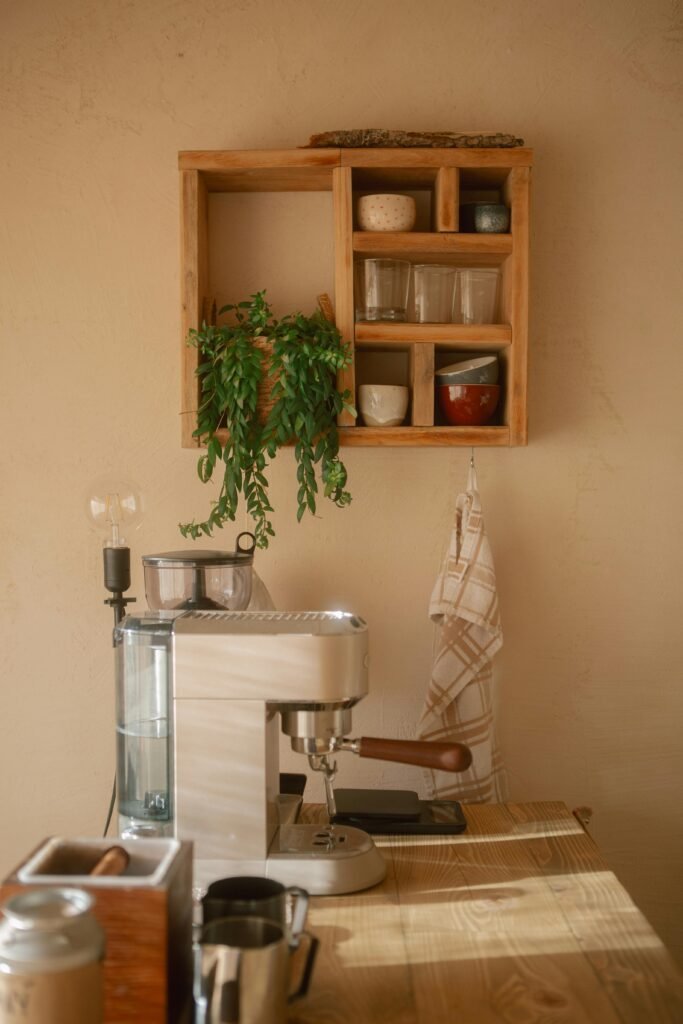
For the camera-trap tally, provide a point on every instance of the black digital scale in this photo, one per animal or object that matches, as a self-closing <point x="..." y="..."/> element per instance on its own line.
<point x="387" y="811"/>
<point x="397" y="812"/>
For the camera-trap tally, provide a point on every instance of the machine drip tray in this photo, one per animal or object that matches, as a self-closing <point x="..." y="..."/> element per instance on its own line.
<point x="325" y="859"/>
<point x="397" y="812"/>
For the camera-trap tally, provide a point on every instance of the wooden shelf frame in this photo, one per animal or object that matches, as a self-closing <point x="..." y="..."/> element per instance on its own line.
<point x="446" y="174"/>
<point x="487" y="336"/>
<point x="465" y="249"/>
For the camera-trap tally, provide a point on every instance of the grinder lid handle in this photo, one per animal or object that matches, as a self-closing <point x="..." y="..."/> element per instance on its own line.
<point x="245" y="547"/>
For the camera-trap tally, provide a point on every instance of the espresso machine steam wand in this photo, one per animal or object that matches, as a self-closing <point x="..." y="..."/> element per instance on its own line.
<point x="322" y="763"/>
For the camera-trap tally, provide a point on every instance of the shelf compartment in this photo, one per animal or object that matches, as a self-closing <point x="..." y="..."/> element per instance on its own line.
<point x="403" y="364"/>
<point x="446" y="356"/>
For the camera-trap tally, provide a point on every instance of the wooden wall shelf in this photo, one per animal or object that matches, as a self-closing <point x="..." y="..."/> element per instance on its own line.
<point x="490" y="249"/>
<point x="487" y="336"/>
<point x="441" y="437"/>
<point x="446" y="177"/>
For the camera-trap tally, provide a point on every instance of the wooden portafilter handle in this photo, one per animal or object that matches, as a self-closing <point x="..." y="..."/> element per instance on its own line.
<point x="443" y="757"/>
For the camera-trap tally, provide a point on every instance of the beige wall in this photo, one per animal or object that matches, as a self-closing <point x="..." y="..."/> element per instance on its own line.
<point x="96" y="100"/>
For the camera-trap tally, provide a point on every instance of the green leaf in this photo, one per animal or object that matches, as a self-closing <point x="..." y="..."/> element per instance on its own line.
<point x="214" y="450"/>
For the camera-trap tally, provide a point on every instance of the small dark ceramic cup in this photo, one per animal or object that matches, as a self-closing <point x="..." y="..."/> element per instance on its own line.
<point x="491" y="218"/>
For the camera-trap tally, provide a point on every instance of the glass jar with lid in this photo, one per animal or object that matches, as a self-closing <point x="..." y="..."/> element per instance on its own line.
<point x="51" y="956"/>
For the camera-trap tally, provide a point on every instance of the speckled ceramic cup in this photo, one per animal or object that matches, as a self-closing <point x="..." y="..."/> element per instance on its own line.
<point x="386" y="212"/>
<point x="491" y="218"/>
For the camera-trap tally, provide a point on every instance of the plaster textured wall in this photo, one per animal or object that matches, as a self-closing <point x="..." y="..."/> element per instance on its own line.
<point x="95" y="102"/>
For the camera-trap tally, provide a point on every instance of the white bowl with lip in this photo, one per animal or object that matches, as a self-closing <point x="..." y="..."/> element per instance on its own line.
<point x="482" y="370"/>
<point x="386" y="212"/>
<point x="383" y="405"/>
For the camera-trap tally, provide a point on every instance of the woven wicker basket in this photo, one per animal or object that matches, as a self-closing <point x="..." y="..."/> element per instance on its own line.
<point x="264" y="402"/>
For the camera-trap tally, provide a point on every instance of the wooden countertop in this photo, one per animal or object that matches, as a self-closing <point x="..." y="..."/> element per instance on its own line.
<point x="516" y="921"/>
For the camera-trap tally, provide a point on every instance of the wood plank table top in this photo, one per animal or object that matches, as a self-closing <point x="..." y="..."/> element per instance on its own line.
<point x="516" y="921"/>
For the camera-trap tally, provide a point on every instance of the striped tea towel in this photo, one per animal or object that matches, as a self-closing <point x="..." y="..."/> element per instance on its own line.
<point x="459" y="701"/>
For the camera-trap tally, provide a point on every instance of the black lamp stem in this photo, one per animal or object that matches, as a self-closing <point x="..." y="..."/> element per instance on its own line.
<point x="117" y="580"/>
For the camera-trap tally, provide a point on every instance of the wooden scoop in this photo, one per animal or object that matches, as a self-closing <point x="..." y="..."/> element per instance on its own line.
<point x="113" y="861"/>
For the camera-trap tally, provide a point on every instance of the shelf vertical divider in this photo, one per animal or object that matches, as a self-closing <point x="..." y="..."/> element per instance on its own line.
<point x="516" y="289"/>
<point x="342" y="195"/>
<point x="422" y="384"/>
<point x="446" y="199"/>
<point x="194" y="261"/>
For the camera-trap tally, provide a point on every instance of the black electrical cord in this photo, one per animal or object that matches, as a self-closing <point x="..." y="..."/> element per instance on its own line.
<point x="116" y="580"/>
<point x="111" y="808"/>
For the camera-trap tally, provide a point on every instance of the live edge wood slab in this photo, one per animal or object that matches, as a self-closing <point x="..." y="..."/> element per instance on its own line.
<point x="516" y="921"/>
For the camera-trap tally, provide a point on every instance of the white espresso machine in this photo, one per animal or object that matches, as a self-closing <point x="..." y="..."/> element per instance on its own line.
<point x="201" y="697"/>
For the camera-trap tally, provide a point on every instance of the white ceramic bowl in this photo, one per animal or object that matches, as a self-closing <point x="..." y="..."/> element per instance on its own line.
<point x="483" y="370"/>
<point x="383" y="405"/>
<point x="387" y="212"/>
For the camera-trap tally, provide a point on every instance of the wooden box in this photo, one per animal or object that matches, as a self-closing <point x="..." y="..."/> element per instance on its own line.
<point x="146" y="914"/>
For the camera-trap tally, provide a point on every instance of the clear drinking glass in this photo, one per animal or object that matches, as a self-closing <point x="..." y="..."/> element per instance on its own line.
<point x="479" y="294"/>
<point x="434" y="290"/>
<point x="382" y="289"/>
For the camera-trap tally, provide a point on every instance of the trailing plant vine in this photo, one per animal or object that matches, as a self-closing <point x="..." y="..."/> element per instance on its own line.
<point x="307" y="353"/>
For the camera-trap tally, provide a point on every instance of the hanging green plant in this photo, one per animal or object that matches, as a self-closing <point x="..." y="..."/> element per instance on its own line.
<point x="269" y="383"/>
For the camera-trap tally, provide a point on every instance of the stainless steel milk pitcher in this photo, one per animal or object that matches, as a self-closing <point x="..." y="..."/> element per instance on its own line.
<point x="246" y="971"/>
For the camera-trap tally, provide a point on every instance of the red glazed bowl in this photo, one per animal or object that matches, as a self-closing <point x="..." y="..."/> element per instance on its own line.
<point x="468" y="405"/>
